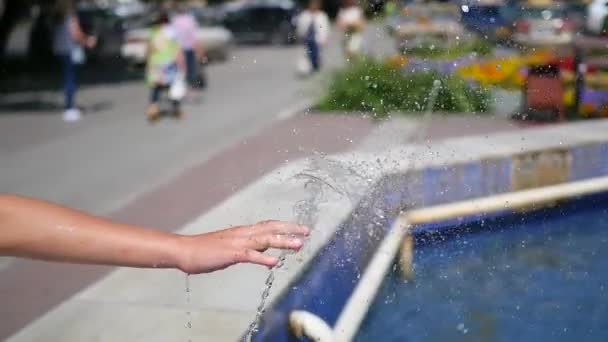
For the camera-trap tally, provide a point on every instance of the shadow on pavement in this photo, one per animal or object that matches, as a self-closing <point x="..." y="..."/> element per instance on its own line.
<point x="23" y="74"/>
<point x="44" y="107"/>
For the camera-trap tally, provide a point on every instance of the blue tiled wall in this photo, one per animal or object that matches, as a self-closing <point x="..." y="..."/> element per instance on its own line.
<point x="324" y="287"/>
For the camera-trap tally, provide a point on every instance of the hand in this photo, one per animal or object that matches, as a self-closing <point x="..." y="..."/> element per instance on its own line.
<point x="245" y="244"/>
<point x="91" y="42"/>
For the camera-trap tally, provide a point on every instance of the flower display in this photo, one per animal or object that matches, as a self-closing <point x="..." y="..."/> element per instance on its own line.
<point x="510" y="72"/>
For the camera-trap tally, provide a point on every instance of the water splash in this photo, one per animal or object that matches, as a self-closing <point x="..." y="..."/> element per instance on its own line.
<point x="344" y="179"/>
<point x="188" y="310"/>
<point x="321" y="174"/>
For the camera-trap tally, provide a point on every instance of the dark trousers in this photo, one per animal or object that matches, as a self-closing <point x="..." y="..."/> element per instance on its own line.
<point x="191" y="66"/>
<point x="312" y="49"/>
<point x="157" y="91"/>
<point x="69" y="81"/>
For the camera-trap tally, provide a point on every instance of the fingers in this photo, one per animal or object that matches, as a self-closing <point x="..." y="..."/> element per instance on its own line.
<point x="263" y="242"/>
<point x="281" y="227"/>
<point x="275" y="234"/>
<point x="258" y="258"/>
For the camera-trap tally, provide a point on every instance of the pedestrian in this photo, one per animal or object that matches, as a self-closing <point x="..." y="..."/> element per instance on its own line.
<point x="313" y="30"/>
<point x="187" y="29"/>
<point x="351" y="21"/>
<point x="41" y="230"/>
<point x="165" y="66"/>
<point x="390" y="8"/>
<point x="69" y="42"/>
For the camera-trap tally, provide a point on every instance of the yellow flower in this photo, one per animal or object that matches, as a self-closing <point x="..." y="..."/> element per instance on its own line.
<point x="587" y="109"/>
<point x="569" y="96"/>
<point x="396" y="61"/>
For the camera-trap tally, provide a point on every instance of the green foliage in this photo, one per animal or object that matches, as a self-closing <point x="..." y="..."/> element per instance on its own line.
<point x="436" y="51"/>
<point x="373" y="87"/>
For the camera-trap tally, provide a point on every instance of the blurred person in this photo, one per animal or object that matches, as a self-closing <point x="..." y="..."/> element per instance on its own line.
<point x="390" y="8"/>
<point x="313" y="29"/>
<point x="187" y="28"/>
<point x="68" y="43"/>
<point x="164" y="65"/>
<point x="36" y="229"/>
<point x="351" y="21"/>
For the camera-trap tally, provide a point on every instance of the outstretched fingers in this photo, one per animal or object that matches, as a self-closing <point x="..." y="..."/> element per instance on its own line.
<point x="282" y="228"/>
<point x="262" y="242"/>
<point x="254" y="240"/>
<point x="258" y="258"/>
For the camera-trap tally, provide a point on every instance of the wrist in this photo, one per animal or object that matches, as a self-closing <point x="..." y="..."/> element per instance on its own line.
<point x="173" y="251"/>
<point x="180" y="252"/>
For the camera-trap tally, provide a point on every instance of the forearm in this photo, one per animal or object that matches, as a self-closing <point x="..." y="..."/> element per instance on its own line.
<point x="181" y="61"/>
<point x="41" y="230"/>
<point x="77" y="33"/>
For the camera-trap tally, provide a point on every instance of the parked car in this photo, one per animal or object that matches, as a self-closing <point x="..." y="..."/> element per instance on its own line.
<point x="493" y="22"/>
<point x="216" y="40"/>
<point x="108" y="23"/>
<point x="597" y="15"/>
<point x="262" y="22"/>
<point x="544" y="26"/>
<point x="428" y="24"/>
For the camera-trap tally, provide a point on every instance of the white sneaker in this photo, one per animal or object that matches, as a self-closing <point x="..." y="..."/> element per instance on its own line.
<point x="71" y="115"/>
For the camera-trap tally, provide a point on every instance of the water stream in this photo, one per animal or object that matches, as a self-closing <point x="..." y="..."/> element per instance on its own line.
<point x="188" y="312"/>
<point x="322" y="174"/>
<point x="347" y="180"/>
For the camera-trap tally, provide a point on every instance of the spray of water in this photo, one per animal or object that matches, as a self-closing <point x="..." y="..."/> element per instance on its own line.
<point x="322" y="174"/>
<point x="343" y="179"/>
<point x="188" y="312"/>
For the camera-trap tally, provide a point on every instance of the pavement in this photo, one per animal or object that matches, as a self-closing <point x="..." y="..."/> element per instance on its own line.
<point x="241" y="143"/>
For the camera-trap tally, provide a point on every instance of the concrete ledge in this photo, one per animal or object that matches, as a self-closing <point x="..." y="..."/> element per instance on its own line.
<point x="425" y="175"/>
<point x="321" y="278"/>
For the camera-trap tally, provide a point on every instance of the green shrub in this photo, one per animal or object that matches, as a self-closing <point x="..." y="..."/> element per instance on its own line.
<point x="436" y="51"/>
<point x="373" y="87"/>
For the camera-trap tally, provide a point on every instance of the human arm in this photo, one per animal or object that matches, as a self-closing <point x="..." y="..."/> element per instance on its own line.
<point x="180" y="60"/>
<point x="41" y="230"/>
<point x="302" y="22"/>
<point x="79" y="35"/>
<point x="324" y="28"/>
<point x="361" y="22"/>
<point x="199" y="47"/>
<point x="340" y="19"/>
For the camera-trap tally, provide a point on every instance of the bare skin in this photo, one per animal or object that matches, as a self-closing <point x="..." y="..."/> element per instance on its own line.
<point x="80" y="36"/>
<point x="36" y="229"/>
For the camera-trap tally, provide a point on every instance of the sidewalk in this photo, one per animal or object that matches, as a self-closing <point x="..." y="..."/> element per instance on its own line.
<point x="145" y="305"/>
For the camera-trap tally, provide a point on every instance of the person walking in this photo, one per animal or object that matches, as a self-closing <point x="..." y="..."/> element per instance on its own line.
<point x="165" y="65"/>
<point x="69" y="42"/>
<point x="187" y="28"/>
<point x="313" y="29"/>
<point x="351" y="21"/>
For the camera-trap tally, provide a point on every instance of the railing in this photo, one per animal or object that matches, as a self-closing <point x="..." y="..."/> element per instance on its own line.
<point x="305" y="324"/>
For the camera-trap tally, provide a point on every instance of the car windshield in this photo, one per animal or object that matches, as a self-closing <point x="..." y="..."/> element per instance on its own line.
<point x="481" y="11"/>
<point x="205" y="18"/>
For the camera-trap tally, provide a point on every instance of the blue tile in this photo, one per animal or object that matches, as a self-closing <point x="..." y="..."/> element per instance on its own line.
<point x="586" y="162"/>
<point x="472" y="180"/>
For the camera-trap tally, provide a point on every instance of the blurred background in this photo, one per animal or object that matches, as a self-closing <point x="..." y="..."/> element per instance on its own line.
<point x="405" y="71"/>
<point x="566" y="39"/>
